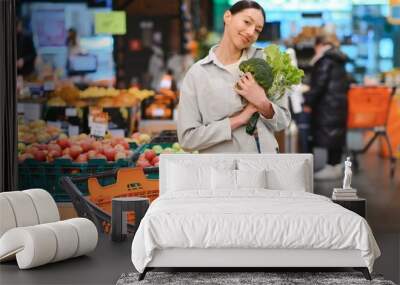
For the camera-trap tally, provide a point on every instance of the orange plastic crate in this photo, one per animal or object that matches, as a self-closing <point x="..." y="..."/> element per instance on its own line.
<point x="368" y="106"/>
<point x="393" y="129"/>
<point x="130" y="182"/>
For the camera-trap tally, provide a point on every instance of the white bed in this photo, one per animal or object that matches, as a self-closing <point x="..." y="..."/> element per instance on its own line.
<point x="202" y="220"/>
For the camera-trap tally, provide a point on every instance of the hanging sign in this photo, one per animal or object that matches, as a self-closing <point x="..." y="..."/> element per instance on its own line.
<point x="111" y="23"/>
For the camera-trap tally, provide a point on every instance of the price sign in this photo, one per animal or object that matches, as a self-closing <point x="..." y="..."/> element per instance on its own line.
<point x="56" y="124"/>
<point x="112" y="23"/>
<point x="158" y="112"/>
<point x="20" y="107"/>
<point x="71" y="112"/>
<point x="73" y="130"/>
<point x="118" y="133"/>
<point x="98" y="129"/>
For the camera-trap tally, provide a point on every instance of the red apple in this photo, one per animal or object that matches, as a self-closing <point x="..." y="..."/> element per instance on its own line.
<point x="54" y="153"/>
<point x="63" y="143"/>
<point x="109" y="152"/>
<point x="86" y="145"/>
<point x="55" y="147"/>
<point x="32" y="150"/>
<point x="150" y="154"/>
<point x="155" y="160"/>
<point x="75" y="151"/>
<point x="40" y="155"/>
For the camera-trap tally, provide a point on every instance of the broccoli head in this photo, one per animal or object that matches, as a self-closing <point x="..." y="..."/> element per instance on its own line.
<point x="260" y="70"/>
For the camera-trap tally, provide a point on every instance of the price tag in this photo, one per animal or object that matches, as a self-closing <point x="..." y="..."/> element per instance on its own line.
<point x="48" y="86"/>
<point x="158" y="112"/>
<point x="90" y="121"/>
<point x="20" y="107"/>
<point x="98" y="129"/>
<point x="119" y="133"/>
<point x="56" y="124"/>
<point x="73" y="130"/>
<point x="32" y="111"/>
<point x="71" y="112"/>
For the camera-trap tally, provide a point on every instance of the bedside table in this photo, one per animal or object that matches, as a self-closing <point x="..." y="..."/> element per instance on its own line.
<point x="358" y="205"/>
<point x="120" y="206"/>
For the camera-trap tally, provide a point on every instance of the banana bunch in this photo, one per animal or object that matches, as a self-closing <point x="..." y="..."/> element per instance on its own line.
<point x="141" y="94"/>
<point x="97" y="92"/>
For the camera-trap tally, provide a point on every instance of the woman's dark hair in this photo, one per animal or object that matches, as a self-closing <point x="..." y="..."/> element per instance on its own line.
<point x="246" y="4"/>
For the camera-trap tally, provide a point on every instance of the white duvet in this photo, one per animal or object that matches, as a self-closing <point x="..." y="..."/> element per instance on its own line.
<point x="250" y="219"/>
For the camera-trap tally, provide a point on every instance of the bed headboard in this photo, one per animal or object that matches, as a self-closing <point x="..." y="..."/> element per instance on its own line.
<point x="285" y="162"/>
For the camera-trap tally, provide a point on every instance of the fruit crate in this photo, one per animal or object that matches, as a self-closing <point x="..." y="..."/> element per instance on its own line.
<point x="37" y="174"/>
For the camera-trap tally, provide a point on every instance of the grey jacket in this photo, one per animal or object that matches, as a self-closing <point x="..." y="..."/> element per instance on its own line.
<point x="207" y="100"/>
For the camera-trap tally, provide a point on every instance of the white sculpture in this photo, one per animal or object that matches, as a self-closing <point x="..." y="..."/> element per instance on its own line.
<point x="347" y="174"/>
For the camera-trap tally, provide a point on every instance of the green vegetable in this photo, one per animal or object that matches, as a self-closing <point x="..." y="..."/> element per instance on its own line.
<point x="261" y="71"/>
<point x="275" y="75"/>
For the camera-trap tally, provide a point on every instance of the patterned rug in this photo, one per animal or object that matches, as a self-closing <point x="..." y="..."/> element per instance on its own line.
<point x="242" y="278"/>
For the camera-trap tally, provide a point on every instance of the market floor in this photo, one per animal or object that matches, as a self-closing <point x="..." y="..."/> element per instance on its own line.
<point x="110" y="259"/>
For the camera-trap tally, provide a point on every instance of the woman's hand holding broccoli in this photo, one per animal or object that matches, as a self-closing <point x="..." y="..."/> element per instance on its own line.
<point x="243" y="117"/>
<point x="250" y="90"/>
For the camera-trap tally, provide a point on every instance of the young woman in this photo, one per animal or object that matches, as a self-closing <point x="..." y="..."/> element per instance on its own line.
<point x="212" y="117"/>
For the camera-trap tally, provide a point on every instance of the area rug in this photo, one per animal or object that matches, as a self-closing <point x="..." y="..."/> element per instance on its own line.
<point x="242" y="278"/>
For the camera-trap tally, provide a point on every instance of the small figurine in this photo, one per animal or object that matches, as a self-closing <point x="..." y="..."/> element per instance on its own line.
<point x="347" y="174"/>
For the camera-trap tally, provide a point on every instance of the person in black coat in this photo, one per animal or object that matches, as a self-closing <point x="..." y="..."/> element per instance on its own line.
<point x="26" y="52"/>
<point x="327" y="102"/>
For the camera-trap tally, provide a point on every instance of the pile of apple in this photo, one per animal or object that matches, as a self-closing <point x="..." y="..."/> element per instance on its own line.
<point x="140" y="138"/>
<point x="150" y="158"/>
<point x="79" y="149"/>
<point x="37" y="131"/>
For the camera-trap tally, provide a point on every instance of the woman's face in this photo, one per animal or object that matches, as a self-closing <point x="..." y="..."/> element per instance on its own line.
<point x="244" y="27"/>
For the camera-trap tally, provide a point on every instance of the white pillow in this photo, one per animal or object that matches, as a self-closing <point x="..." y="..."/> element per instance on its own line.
<point x="251" y="178"/>
<point x="182" y="177"/>
<point x="193" y="174"/>
<point x="223" y="179"/>
<point x="296" y="181"/>
<point x="282" y="174"/>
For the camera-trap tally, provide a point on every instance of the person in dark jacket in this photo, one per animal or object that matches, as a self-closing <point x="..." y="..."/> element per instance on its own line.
<point x="327" y="102"/>
<point x="26" y="52"/>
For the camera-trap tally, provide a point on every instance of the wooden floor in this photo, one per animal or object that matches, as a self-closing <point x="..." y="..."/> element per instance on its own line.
<point x="110" y="260"/>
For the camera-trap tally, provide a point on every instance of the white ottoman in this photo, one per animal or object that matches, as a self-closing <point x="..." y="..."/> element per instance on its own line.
<point x="31" y="232"/>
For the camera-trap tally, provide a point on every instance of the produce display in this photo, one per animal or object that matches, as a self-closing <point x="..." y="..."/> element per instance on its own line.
<point x="100" y="96"/>
<point x="80" y="148"/>
<point x="37" y="132"/>
<point x="276" y="74"/>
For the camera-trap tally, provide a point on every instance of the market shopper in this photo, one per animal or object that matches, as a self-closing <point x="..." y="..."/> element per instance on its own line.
<point x="327" y="102"/>
<point x="211" y="114"/>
